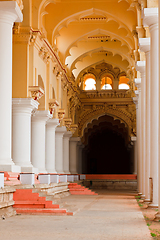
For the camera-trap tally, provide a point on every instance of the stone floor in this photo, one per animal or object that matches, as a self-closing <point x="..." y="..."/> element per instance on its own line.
<point x="109" y="215"/>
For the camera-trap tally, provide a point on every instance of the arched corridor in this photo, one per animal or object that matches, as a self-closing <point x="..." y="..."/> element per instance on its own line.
<point x="107" y="149"/>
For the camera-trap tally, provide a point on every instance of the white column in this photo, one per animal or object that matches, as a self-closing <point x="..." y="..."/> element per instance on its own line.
<point x="66" y="138"/>
<point x="9" y="13"/>
<point x="139" y="136"/>
<point x="134" y="140"/>
<point x="73" y="161"/>
<point x="151" y="19"/>
<point x="80" y="149"/>
<point x="22" y="109"/>
<point x="59" y="149"/>
<point x="38" y="139"/>
<point x="144" y="44"/>
<point x="141" y="67"/>
<point x="50" y="144"/>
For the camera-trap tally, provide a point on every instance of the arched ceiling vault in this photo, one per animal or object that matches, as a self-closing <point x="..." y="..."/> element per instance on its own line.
<point x="86" y="32"/>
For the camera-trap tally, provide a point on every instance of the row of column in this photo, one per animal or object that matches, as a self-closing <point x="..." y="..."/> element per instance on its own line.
<point x="148" y="119"/>
<point x="40" y="145"/>
<point x="36" y="145"/>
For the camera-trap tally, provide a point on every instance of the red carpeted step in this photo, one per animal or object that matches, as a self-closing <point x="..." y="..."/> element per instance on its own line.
<point x="27" y="202"/>
<point x="35" y="204"/>
<point x="76" y="189"/>
<point x="41" y="211"/>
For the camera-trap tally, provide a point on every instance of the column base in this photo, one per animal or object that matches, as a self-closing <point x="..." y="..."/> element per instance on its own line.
<point x="67" y="172"/>
<point x="157" y="217"/>
<point x="142" y="196"/>
<point x="42" y="171"/>
<point x="10" y="168"/>
<point x="147" y="200"/>
<point x="52" y="172"/>
<point x="30" y="169"/>
<point x="60" y="172"/>
<point x="74" y="172"/>
<point x="153" y="205"/>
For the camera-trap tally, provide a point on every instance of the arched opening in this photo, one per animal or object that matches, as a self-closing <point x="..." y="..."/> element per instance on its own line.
<point x="89" y="82"/>
<point x="123" y="83"/>
<point x="107" y="149"/>
<point x="106" y="83"/>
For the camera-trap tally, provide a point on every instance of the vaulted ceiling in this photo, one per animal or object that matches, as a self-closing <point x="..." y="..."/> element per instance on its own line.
<point x="87" y="32"/>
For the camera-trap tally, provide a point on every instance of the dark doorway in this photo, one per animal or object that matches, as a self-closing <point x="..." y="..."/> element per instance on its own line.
<point x="107" y="153"/>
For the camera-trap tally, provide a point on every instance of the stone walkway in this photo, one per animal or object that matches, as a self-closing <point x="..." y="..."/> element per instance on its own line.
<point x="107" y="216"/>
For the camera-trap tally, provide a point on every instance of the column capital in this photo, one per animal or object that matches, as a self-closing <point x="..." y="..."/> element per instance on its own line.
<point x="140" y="66"/>
<point x="144" y="44"/>
<point x="10" y="12"/>
<point x="54" y="122"/>
<point x="150" y="17"/>
<point x="75" y="139"/>
<point x="41" y="116"/>
<point x="67" y="134"/>
<point x="24" y="105"/>
<point x="138" y="83"/>
<point x="61" y="130"/>
<point x="135" y="100"/>
<point x="133" y="138"/>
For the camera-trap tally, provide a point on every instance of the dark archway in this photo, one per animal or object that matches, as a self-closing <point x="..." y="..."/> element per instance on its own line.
<point x="107" y="149"/>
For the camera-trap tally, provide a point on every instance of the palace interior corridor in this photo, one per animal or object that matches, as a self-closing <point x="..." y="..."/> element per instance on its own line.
<point x="79" y="102"/>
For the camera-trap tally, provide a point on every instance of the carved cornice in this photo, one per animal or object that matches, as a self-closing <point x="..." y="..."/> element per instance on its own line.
<point x="73" y="128"/>
<point x="144" y="44"/>
<point x="141" y="67"/>
<point x="53" y="103"/>
<point x="150" y="17"/>
<point x="61" y="113"/>
<point x="138" y="83"/>
<point x="20" y="4"/>
<point x="67" y="122"/>
<point x="107" y="94"/>
<point x="112" y="110"/>
<point x="36" y="92"/>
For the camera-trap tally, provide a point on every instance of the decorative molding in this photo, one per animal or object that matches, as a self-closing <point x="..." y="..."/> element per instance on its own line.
<point x="53" y="103"/>
<point x="107" y="94"/>
<point x="61" y="113"/>
<point x="20" y="4"/>
<point x="150" y="17"/>
<point x="141" y="67"/>
<point x="137" y="82"/>
<point x="73" y="128"/>
<point x="128" y="118"/>
<point x="36" y="92"/>
<point x="93" y="19"/>
<point x="67" y="122"/>
<point x="144" y="44"/>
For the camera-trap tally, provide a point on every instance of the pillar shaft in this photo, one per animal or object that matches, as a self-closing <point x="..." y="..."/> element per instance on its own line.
<point x="73" y="162"/>
<point x="139" y="136"/>
<point x="151" y="19"/>
<point x="9" y="13"/>
<point x="145" y="47"/>
<point x="38" y="139"/>
<point x="141" y="67"/>
<point x="66" y="138"/>
<point x="22" y="109"/>
<point x="50" y="144"/>
<point x="59" y="149"/>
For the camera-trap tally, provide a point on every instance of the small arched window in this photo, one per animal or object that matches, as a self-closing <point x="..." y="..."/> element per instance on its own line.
<point x="123" y="83"/>
<point x="106" y="86"/>
<point x="90" y="84"/>
<point x="123" y="86"/>
<point x="106" y="83"/>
